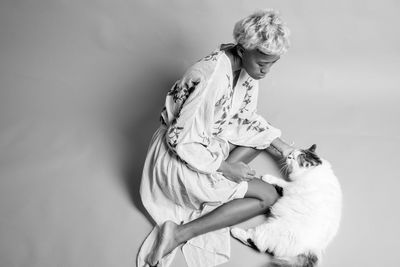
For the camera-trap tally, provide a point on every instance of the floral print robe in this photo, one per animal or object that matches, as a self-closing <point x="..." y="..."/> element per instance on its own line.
<point x="180" y="180"/>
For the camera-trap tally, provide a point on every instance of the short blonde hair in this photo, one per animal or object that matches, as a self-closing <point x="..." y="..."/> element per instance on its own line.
<point x="263" y="30"/>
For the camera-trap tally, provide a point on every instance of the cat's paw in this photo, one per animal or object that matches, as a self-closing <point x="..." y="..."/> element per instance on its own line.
<point x="241" y="235"/>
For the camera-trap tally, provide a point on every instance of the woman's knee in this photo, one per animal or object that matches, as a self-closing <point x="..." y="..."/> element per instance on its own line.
<point x="269" y="198"/>
<point x="264" y="192"/>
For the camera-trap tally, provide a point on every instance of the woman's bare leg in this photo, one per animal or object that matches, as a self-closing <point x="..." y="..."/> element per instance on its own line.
<point x="258" y="198"/>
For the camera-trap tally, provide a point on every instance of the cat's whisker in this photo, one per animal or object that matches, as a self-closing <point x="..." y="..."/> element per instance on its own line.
<point x="284" y="169"/>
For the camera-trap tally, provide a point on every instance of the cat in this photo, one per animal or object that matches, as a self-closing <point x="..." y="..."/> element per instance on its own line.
<point x="307" y="216"/>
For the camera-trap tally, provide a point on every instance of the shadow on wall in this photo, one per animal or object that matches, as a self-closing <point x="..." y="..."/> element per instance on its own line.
<point x="155" y="68"/>
<point x="139" y="122"/>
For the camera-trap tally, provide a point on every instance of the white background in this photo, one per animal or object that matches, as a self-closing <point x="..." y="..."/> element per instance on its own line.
<point x="82" y="84"/>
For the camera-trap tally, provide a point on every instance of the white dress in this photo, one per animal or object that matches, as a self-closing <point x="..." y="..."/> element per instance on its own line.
<point x="180" y="181"/>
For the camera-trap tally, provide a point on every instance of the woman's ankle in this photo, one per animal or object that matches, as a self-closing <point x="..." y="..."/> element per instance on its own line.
<point x="183" y="233"/>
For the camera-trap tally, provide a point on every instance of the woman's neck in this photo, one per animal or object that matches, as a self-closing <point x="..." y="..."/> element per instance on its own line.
<point x="236" y="61"/>
<point x="231" y="53"/>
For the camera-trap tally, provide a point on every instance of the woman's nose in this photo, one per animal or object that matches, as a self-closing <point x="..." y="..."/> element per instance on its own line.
<point x="265" y="70"/>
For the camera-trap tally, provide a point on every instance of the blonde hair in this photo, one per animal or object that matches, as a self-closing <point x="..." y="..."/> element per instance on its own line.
<point x="263" y="30"/>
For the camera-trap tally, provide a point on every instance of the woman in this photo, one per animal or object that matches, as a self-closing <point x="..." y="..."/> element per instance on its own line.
<point x="195" y="179"/>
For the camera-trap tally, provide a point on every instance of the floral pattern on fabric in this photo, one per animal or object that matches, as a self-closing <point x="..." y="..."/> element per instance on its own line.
<point x="250" y="125"/>
<point x="173" y="135"/>
<point x="180" y="94"/>
<point x="206" y="140"/>
<point x="247" y="97"/>
<point x="213" y="56"/>
<point x="225" y="102"/>
<point x="244" y="109"/>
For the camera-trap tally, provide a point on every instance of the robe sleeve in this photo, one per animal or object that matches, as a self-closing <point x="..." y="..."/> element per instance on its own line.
<point x="190" y="116"/>
<point x="247" y="127"/>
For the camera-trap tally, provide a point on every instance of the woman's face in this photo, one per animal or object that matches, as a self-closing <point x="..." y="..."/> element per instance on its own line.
<point x="256" y="63"/>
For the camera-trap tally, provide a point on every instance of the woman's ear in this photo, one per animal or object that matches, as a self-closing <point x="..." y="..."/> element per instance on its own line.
<point x="240" y="50"/>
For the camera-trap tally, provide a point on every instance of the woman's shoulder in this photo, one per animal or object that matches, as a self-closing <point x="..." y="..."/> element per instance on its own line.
<point x="211" y="63"/>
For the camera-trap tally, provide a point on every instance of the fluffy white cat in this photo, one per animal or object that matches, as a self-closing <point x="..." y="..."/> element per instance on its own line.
<point x="305" y="219"/>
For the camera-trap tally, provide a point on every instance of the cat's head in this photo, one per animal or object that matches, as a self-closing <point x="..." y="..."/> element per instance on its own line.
<point x="300" y="160"/>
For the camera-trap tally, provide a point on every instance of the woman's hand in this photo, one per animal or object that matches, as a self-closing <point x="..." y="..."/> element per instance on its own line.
<point x="237" y="172"/>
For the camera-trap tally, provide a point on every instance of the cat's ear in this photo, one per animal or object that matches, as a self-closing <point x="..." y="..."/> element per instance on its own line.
<point x="312" y="148"/>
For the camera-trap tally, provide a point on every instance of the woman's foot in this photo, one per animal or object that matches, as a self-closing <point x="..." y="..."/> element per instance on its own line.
<point x="165" y="243"/>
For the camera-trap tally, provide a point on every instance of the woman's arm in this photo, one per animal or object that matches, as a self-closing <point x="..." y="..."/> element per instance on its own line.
<point x="281" y="146"/>
<point x="236" y="171"/>
<point x="189" y="108"/>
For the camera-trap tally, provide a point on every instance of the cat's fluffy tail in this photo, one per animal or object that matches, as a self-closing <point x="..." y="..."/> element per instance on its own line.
<point x="302" y="260"/>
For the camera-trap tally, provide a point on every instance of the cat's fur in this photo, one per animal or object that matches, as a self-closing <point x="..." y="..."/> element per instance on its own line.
<point x="305" y="219"/>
